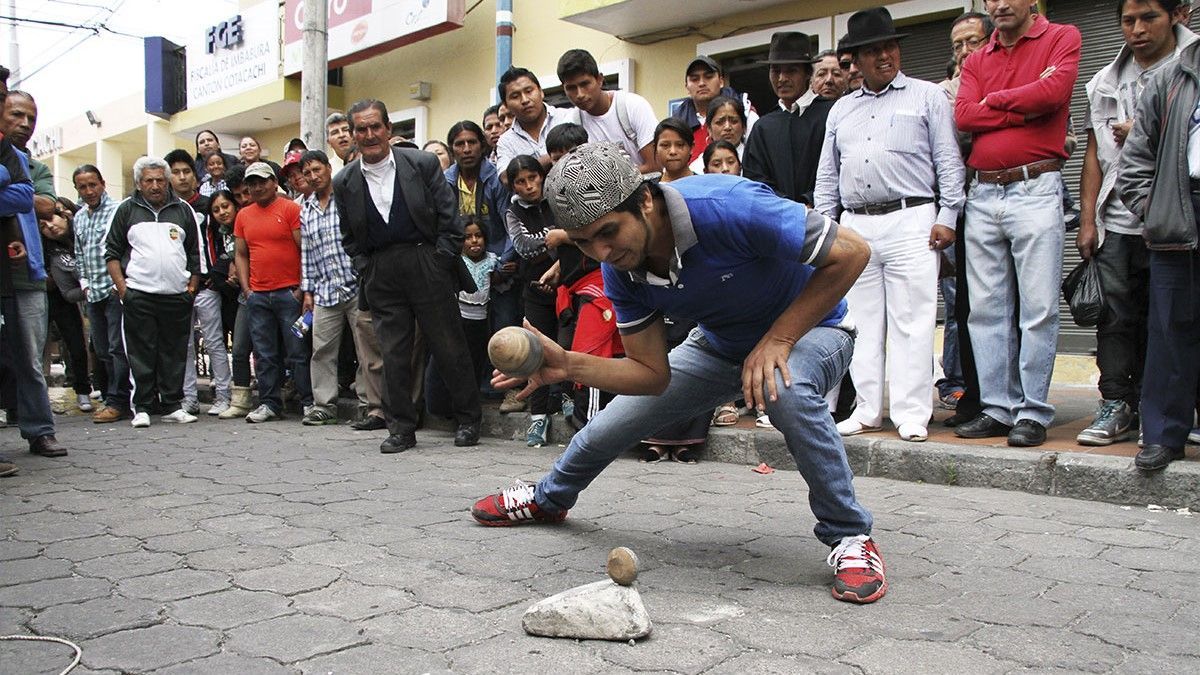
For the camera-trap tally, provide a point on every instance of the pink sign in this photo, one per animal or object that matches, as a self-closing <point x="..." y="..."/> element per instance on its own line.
<point x="359" y="29"/>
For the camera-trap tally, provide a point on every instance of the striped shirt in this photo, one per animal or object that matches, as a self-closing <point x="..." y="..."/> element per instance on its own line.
<point x="898" y="143"/>
<point x="325" y="268"/>
<point x="91" y="234"/>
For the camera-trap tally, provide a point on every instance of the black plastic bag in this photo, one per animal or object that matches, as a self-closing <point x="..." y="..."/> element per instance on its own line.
<point x="1083" y="293"/>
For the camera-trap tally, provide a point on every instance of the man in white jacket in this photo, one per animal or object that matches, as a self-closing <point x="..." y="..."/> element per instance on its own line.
<point x="1155" y="32"/>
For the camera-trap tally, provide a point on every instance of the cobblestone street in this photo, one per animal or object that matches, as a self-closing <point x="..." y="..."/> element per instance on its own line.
<point x="223" y="547"/>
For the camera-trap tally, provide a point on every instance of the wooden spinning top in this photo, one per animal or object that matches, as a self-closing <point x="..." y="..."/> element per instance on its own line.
<point x="515" y="352"/>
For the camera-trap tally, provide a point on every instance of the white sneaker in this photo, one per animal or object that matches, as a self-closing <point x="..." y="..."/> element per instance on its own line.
<point x="911" y="431"/>
<point x="85" y="403"/>
<point x="96" y="395"/>
<point x="180" y="416"/>
<point x="1194" y="436"/>
<point x="218" y="408"/>
<point x="262" y="413"/>
<point x="852" y="427"/>
<point x="140" y="421"/>
<point x="764" y="422"/>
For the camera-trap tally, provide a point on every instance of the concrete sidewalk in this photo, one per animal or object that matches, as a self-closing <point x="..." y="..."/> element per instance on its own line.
<point x="1060" y="467"/>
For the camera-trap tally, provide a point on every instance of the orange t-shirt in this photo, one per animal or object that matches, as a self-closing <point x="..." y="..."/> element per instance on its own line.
<point x="274" y="253"/>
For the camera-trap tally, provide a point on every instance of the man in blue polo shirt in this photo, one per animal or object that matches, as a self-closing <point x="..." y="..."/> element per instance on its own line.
<point x="696" y="249"/>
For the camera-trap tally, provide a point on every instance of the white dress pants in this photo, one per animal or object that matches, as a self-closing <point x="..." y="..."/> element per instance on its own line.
<point x="894" y="303"/>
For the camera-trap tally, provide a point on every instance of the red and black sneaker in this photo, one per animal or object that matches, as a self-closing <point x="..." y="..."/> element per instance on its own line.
<point x="514" y="506"/>
<point x="858" y="570"/>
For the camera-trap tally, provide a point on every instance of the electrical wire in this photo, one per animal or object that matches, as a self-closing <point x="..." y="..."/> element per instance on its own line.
<point x="40" y="638"/>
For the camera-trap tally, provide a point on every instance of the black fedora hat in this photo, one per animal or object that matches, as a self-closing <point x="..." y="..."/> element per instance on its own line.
<point x="868" y="26"/>
<point x="789" y="47"/>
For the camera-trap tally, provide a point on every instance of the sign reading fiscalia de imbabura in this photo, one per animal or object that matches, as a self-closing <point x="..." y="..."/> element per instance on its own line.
<point x="237" y="54"/>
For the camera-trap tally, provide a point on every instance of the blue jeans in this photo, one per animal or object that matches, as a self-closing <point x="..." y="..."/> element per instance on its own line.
<point x="24" y="339"/>
<point x="272" y="313"/>
<point x="1015" y="238"/>
<point x="952" y="379"/>
<point x="105" y="319"/>
<point x="701" y="380"/>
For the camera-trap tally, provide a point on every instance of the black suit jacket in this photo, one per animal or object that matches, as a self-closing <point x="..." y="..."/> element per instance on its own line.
<point x="431" y="203"/>
<point x="784" y="150"/>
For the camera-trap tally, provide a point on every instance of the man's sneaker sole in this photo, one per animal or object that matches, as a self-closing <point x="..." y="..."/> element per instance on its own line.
<point x="1101" y="441"/>
<point x="508" y="522"/>
<point x="851" y="596"/>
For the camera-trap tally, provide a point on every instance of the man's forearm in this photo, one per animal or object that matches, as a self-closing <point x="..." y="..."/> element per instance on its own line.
<point x="630" y="376"/>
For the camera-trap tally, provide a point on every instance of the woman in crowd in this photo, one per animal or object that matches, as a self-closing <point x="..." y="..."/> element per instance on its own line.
<point x="206" y="142"/>
<point x="722" y="157"/>
<point x="726" y="121"/>
<point x="215" y="165"/>
<point x="216" y="243"/>
<point x="672" y="148"/>
<point x="250" y="151"/>
<point x="64" y="293"/>
<point x="441" y="150"/>
<point x="222" y="211"/>
<point x="534" y="236"/>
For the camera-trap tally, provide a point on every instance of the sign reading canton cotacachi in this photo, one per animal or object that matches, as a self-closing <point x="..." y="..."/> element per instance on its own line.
<point x="235" y="55"/>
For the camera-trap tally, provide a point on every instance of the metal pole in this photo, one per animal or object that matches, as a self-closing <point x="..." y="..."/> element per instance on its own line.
<point x="14" y="51"/>
<point x="504" y="32"/>
<point x="314" y="74"/>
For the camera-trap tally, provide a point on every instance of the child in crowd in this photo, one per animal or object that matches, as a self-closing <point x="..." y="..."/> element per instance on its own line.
<point x="722" y="157"/>
<point x="64" y="293"/>
<point x="672" y="147"/>
<point x="534" y="236"/>
<point x="473" y="307"/>
<point x="215" y="166"/>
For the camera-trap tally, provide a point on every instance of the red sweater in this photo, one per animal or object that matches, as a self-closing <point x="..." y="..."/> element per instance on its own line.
<point x="1016" y="84"/>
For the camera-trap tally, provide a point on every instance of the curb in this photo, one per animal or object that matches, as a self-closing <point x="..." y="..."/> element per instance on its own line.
<point x="1055" y="474"/>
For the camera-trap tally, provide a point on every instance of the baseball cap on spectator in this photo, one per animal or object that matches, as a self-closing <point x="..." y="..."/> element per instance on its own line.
<point x="706" y="62"/>
<point x="590" y="181"/>
<point x="295" y="144"/>
<point x="260" y="170"/>
<point x="292" y="160"/>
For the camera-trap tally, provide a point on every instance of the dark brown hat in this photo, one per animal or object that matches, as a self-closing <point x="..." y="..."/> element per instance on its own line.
<point x="789" y="47"/>
<point x="869" y="26"/>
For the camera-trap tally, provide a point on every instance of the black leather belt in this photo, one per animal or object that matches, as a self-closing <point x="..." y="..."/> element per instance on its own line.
<point x="889" y="207"/>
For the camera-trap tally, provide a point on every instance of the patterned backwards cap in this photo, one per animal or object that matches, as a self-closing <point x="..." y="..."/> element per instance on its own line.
<point x="588" y="182"/>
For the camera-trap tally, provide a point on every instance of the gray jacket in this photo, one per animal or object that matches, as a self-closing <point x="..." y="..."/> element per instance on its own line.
<point x="1105" y="106"/>
<point x="1153" y="178"/>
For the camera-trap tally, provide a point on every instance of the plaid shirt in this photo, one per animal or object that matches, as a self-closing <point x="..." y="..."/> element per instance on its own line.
<point x="91" y="231"/>
<point x="325" y="268"/>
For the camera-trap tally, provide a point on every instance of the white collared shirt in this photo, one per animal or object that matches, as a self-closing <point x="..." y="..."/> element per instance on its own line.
<point x="799" y="105"/>
<point x="381" y="181"/>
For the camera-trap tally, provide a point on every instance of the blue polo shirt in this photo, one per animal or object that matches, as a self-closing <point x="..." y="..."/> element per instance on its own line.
<point x="742" y="255"/>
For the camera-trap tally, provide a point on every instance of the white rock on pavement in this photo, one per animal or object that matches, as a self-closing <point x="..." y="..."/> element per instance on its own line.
<point x="599" y="611"/>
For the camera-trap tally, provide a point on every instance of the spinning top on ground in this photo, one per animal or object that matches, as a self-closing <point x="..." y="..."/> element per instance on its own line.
<point x="622" y="565"/>
<point x="515" y="352"/>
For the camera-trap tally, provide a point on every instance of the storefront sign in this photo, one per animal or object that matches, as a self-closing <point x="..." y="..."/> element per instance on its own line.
<point x="359" y="29"/>
<point x="234" y="56"/>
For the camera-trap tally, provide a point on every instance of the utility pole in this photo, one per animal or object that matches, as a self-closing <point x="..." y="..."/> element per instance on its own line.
<point x="14" y="51"/>
<point x="314" y="75"/>
<point x="504" y="33"/>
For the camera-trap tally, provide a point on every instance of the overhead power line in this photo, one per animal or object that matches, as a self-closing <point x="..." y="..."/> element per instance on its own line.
<point x="60" y="24"/>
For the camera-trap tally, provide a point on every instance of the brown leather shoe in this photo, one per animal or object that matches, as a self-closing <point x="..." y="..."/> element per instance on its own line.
<point x="47" y="446"/>
<point x="109" y="414"/>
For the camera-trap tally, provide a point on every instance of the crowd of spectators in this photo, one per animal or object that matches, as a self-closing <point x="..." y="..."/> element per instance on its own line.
<point x="380" y="272"/>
